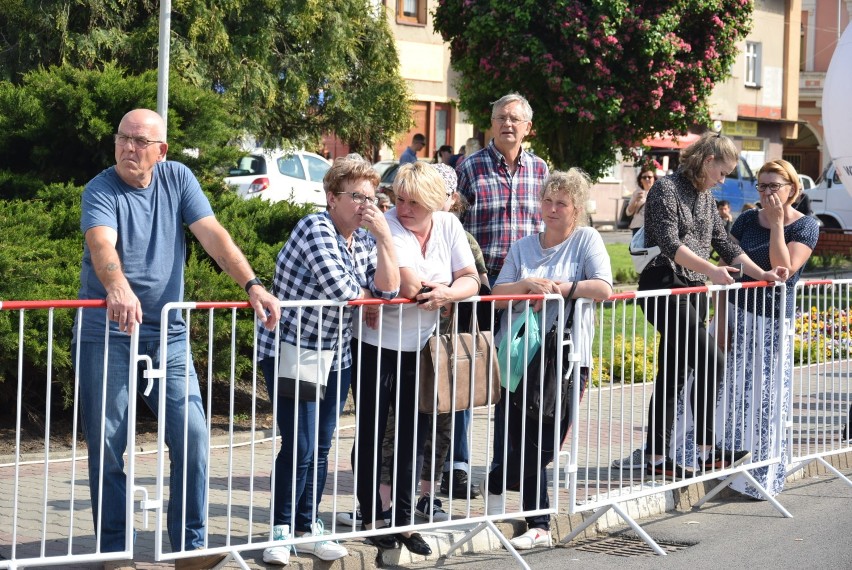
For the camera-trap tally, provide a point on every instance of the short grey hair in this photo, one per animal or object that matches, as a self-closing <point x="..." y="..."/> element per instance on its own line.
<point x="513" y="98"/>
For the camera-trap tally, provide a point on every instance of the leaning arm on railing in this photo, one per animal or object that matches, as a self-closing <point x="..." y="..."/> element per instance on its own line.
<point x="596" y="289"/>
<point x="122" y="304"/>
<point x="217" y="242"/>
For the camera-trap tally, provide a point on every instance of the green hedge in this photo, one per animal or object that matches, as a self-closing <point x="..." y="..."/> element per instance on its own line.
<point x="40" y="255"/>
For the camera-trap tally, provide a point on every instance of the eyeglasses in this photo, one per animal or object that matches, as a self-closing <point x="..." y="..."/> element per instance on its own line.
<point x="500" y="119"/>
<point x="138" y="142"/>
<point x="359" y="198"/>
<point x="774" y="187"/>
<point x="648" y="177"/>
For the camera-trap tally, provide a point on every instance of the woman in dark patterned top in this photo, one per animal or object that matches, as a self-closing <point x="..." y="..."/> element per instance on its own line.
<point x="681" y="218"/>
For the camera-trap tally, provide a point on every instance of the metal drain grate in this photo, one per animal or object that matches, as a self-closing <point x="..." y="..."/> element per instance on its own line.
<point x="624" y="546"/>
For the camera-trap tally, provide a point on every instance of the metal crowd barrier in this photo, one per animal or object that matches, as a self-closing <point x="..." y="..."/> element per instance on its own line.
<point x="821" y="344"/>
<point x="44" y="495"/>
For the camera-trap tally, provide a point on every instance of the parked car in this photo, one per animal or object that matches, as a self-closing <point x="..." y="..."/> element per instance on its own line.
<point x="383" y="165"/>
<point x="386" y="183"/>
<point x="740" y="186"/>
<point x="276" y="175"/>
<point x="830" y="201"/>
<point x="806" y="181"/>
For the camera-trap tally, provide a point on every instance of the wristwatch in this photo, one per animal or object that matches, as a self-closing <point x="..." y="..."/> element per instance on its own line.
<point x="252" y="282"/>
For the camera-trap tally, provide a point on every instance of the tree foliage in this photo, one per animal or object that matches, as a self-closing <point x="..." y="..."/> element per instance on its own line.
<point x="57" y="124"/>
<point x="295" y="68"/>
<point x="601" y="75"/>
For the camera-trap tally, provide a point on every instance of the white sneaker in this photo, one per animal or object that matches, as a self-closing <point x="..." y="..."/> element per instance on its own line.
<point x="532" y="538"/>
<point x="279" y="555"/>
<point x="494" y="504"/>
<point x="323" y="549"/>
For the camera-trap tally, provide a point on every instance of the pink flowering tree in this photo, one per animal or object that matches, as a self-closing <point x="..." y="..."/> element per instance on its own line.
<point x="601" y="75"/>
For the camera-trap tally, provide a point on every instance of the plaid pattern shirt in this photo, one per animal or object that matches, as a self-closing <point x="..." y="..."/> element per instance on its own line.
<point x="503" y="207"/>
<point x="315" y="263"/>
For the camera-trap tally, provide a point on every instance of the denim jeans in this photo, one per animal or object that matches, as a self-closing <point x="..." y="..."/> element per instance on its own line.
<point x="105" y="455"/>
<point x="460" y="458"/>
<point x="314" y="427"/>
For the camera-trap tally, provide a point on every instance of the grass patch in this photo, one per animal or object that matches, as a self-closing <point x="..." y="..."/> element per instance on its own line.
<point x="621" y="263"/>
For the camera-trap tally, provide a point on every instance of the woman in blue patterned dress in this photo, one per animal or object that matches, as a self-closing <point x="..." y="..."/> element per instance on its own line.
<point x="776" y="235"/>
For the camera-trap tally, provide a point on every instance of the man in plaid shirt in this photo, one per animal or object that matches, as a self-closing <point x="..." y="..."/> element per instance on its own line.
<point x="502" y="184"/>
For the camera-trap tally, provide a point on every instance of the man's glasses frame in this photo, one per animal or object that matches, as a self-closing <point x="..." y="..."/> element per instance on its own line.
<point x="138" y="142"/>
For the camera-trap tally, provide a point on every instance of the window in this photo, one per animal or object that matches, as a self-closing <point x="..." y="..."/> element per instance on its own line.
<point x="411" y="11"/>
<point x="752" y="64"/>
<point x="316" y="167"/>
<point x="291" y="166"/>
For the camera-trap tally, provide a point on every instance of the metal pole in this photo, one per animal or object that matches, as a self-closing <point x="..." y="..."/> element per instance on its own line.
<point x="163" y="64"/>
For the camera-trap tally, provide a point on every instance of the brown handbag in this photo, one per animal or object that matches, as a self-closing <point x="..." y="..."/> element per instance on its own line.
<point x="462" y="366"/>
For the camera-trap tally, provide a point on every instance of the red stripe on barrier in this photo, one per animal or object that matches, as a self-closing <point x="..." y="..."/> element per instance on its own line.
<point x="817" y="282"/>
<point x="54" y="304"/>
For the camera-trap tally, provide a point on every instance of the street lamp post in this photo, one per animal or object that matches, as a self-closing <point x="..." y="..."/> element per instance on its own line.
<point x="163" y="64"/>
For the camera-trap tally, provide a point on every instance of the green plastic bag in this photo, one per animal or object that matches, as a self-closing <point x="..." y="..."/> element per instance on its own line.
<point x="510" y="353"/>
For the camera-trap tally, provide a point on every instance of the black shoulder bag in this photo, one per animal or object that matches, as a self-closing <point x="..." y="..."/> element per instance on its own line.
<point x="541" y="390"/>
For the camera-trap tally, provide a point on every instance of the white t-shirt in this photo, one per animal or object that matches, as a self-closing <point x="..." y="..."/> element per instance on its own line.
<point x="447" y="251"/>
<point x="580" y="257"/>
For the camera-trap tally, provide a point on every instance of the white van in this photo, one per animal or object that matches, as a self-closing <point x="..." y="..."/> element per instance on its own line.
<point x="830" y="201"/>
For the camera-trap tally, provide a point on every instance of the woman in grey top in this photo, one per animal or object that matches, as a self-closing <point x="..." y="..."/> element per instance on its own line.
<point x="681" y="218"/>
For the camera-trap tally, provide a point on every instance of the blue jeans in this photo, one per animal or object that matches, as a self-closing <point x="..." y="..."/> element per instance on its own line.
<point x="105" y="456"/>
<point x="460" y="458"/>
<point x="315" y="428"/>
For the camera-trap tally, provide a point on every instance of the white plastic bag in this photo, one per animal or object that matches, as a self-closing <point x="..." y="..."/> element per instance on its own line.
<point x="640" y="254"/>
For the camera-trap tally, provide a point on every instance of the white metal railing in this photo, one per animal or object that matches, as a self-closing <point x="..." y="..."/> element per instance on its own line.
<point x="44" y="494"/>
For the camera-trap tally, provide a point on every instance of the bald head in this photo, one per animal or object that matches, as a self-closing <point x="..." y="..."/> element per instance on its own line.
<point x="140" y="144"/>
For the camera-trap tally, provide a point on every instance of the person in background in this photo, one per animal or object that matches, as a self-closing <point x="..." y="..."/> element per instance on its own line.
<point x="636" y="207"/>
<point x="409" y="155"/>
<point x="383" y="202"/>
<point x="451" y="479"/>
<point x="133" y="218"/>
<point x="341" y="254"/>
<point x="567" y="256"/>
<point x="724" y="209"/>
<point x="443" y="154"/>
<point x="682" y="220"/>
<point x="454" y="160"/>
<point x="777" y="235"/>
<point x="748" y="206"/>
<point x="436" y="269"/>
<point x="502" y="184"/>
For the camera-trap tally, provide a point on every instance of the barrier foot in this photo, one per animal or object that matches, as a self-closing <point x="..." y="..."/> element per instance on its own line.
<point x="586" y="523"/>
<point x="626" y="518"/>
<point x="500" y="536"/>
<point x="744" y="475"/>
<point x="831" y="468"/>
<point x="796" y="468"/>
<point x="237" y="557"/>
<point x="639" y="530"/>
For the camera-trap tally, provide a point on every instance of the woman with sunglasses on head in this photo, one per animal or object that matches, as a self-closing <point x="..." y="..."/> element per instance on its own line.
<point x="775" y="235"/>
<point x="342" y="254"/>
<point x="636" y="207"/>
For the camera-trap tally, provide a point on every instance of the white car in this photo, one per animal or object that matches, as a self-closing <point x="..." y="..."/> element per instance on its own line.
<point x="276" y="175"/>
<point x="830" y="201"/>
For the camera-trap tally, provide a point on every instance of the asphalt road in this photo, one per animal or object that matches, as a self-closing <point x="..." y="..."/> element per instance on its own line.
<point x="724" y="534"/>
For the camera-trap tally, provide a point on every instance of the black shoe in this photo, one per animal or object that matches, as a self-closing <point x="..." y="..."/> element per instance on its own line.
<point x="719" y="458"/>
<point x="384" y="541"/>
<point x="460" y="484"/>
<point x="668" y="468"/>
<point x="415" y="544"/>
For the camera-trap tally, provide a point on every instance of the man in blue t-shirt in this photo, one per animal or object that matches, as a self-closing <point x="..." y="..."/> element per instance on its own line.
<point x="133" y="217"/>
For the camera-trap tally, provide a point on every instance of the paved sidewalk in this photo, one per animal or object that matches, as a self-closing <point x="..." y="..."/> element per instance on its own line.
<point x="237" y="471"/>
